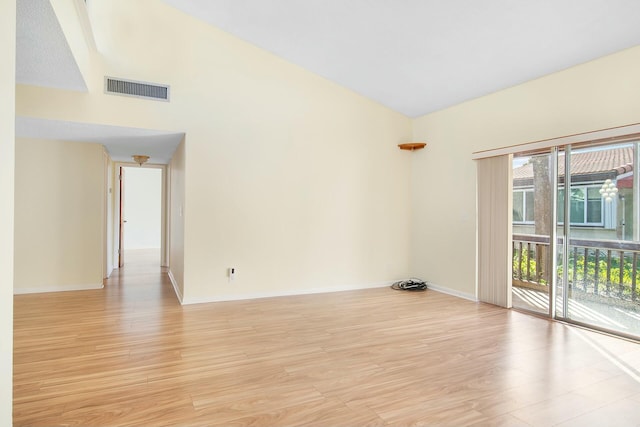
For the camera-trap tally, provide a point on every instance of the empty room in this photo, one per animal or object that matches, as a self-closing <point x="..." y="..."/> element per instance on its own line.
<point x="279" y="213"/>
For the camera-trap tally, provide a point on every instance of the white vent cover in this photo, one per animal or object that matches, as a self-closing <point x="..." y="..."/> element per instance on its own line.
<point x="136" y="89"/>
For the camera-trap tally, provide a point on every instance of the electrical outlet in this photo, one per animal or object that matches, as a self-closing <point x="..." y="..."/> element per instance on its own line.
<point x="231" y="273"/>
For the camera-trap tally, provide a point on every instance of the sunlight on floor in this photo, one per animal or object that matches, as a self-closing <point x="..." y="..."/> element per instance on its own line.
<point x="615" y="318"/>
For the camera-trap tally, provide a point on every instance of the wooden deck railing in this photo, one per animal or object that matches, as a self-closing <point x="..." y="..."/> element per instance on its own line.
<point x="599" y="267"/>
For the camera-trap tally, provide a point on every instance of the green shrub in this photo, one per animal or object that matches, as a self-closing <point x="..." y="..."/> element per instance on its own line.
<point x="578" y="278"/>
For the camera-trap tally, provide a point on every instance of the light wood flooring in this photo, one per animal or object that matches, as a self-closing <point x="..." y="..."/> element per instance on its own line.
<point x="130" y="355"/>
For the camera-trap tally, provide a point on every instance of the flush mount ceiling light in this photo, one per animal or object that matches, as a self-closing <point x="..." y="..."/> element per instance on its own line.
<point x="140" y="159"/>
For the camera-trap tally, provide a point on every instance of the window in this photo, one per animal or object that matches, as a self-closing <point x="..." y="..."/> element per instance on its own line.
<point x="585" y="207"/>
<point x="523" y="206"/>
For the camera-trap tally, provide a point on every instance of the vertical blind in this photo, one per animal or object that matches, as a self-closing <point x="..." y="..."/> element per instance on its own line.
<point x="494" y="229"/>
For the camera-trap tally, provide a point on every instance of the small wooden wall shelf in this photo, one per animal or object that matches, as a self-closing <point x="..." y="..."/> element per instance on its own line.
<point x="411" y="146"/>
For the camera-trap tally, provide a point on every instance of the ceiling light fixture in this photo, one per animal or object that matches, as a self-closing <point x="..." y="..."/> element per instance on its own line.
<point x="140" y="159"/>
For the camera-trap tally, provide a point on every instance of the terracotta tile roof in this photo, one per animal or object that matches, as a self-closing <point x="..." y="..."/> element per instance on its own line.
<point x="615" y="161"/>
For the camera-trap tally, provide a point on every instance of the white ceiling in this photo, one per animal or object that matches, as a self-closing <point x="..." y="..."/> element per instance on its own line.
<point x="419" y="56"/>
<point x="43" y="56"/>
<point x="120" y="142"/>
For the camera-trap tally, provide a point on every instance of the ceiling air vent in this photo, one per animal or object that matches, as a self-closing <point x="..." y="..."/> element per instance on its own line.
<point x="136" y="89"/>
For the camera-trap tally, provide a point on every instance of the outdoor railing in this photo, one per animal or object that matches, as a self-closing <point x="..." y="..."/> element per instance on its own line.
<point x="600" y="267"/>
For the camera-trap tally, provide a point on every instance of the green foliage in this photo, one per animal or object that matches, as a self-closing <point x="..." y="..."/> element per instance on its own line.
<point x="585" y="278"/>
<point x="529" y="257"/>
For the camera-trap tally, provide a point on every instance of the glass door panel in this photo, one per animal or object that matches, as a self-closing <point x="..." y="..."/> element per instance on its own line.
<point x="603" y="246"/>
<point x="532" y="215"/>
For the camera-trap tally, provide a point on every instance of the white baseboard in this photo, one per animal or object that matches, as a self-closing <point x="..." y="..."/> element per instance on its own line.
<point x="452" y="292"/>
<point x="176" y="289"/>
<point x="284" y="293"/>
<point x="57" y="288"/>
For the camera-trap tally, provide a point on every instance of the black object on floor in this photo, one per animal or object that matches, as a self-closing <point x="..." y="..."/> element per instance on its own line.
<point x="412" y="284"/>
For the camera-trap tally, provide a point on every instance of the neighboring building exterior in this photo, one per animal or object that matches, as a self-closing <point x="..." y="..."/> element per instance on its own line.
<point x="591" y="214"/>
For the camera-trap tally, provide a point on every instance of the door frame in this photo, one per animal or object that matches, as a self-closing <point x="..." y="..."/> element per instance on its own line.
<point x="164" y="210"/>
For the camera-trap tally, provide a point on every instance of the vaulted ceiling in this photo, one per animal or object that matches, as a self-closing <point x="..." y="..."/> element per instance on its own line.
<point x="419" y="56"/>
<point x="413" y="56"/>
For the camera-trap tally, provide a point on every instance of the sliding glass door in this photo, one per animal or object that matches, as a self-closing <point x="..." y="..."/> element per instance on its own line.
<point x="576" y="236"/>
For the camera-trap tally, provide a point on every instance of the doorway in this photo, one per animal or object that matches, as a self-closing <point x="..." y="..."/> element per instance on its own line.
<point x="140" y="216"/>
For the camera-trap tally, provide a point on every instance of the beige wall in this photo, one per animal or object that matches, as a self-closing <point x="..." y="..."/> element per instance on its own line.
<point x="295" y="181"/>
<point x="7" y="138"/>
<point x="177" y="214"/>
<point x="59" y="207"/>
<point x="592" y="96"/>
<point x="110" y="231"/>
